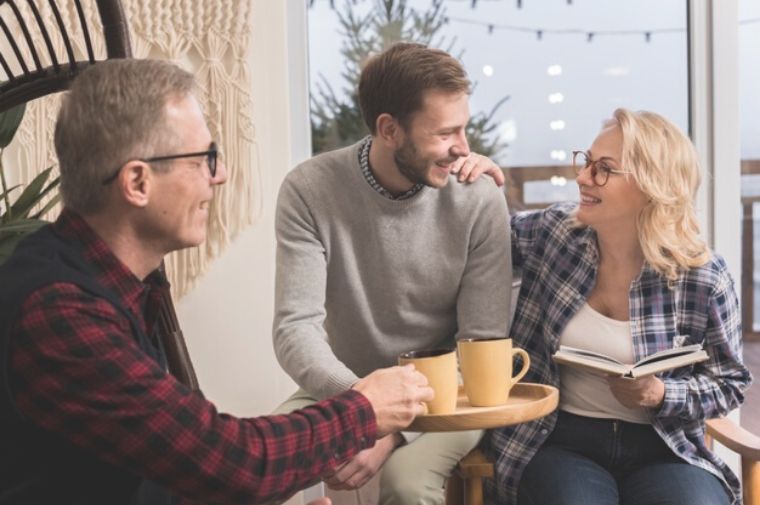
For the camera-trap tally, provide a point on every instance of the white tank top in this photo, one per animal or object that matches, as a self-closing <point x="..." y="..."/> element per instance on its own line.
<point x="587" y="394"/>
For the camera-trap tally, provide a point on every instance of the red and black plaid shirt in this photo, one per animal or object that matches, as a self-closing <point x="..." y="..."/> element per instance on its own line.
<point x="77" y="371"/>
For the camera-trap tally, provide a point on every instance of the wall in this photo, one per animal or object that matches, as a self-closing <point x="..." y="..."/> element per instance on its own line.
<point x="227" y="318"/>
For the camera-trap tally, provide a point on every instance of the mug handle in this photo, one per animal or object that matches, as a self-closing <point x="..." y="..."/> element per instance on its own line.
<point x="525" y="365"/>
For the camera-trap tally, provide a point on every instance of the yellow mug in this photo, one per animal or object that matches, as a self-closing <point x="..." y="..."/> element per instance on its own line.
<point x="486" y="366"/>
<point x="440" y="368"/>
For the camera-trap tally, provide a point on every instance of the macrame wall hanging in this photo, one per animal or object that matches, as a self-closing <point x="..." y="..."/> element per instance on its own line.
<point x="210" y="39"/>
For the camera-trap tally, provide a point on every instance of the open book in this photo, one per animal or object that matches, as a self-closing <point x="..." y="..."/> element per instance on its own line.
<point x="657" y="362"/>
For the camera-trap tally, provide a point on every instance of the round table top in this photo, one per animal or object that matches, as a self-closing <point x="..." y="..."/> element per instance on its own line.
<point x="527" y="401"/>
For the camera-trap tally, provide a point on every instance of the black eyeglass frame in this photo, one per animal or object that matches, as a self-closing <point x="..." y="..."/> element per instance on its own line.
<point x="595" y="171"/>
<point x="211" y="154"/>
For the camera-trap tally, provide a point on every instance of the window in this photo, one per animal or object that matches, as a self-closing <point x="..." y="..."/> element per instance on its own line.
<point x="549" y="71"/>
<point x="749" y="116"/>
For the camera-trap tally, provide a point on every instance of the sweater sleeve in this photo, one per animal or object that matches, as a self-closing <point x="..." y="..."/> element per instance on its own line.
<point x="300" y="340"/>
<point x="486" y="287"/>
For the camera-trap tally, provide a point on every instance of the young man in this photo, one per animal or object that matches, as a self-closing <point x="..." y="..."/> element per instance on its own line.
<point x="88" y="413"/>
<point x="378" y="254"/>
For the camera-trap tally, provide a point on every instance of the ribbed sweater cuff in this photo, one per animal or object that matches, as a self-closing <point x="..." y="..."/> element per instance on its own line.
<point x="338" y="383"/>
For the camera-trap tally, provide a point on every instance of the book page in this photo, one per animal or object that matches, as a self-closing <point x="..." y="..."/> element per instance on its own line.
<point x="589" y="360"/>
<point x="668" y="353"/>
<point x="589" y="354"/>
<point x="669" y="361"/>
<point x="654" y="363"/>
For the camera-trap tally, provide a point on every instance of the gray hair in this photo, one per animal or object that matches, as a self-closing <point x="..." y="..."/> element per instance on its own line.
<point x="115" y="111"/>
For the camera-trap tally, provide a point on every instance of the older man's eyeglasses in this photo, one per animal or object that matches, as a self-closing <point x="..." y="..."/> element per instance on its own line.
<point x="211" y="156"/>
<point x="600" y="169"/>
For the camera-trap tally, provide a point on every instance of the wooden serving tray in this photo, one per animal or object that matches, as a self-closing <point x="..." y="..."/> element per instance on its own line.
<point x="527" y="401"/>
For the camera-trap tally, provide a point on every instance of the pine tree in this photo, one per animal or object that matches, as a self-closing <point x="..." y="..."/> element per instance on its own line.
<point x="336" y="120"/>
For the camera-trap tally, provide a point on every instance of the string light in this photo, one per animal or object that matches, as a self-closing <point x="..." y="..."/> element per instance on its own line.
<point x="554" y="70"/>
<point x="558" y="154"/>
<point x="589" y="34"/>
<point x="539" y="32"/>
<point x="558" y="180"/>
<point x="474" y="3"/>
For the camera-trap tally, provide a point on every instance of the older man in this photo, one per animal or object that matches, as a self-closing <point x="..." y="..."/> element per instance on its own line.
<point x="88" y="413"/>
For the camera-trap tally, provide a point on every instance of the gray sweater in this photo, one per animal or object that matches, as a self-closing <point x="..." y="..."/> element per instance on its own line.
<point x="362" y="278"/>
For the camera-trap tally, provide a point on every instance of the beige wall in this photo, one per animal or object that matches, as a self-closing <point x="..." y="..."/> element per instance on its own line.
<point x="227" y="318"/>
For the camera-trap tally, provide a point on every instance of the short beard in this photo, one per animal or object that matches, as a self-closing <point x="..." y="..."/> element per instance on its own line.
<point x="409" y="163"/>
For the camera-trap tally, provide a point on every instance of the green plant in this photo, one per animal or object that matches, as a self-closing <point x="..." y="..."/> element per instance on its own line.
<point x="18" y="218"/>
<point x="336" y="118"/>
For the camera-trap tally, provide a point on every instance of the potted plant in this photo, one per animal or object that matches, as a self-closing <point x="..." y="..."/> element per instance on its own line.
<point x="18" y="216"/>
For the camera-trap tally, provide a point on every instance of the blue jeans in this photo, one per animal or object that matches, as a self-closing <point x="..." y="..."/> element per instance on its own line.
<point x="588" y="461"/>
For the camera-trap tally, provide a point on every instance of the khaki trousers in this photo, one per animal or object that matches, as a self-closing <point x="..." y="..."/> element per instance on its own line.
<point x="415" y="473"/>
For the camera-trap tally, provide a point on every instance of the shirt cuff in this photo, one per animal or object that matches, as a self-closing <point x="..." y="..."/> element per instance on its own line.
<point x="674" y="402"/>
<point x="360" y="425"/>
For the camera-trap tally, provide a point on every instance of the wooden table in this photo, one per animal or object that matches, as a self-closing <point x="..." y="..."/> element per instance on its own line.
<point x="527" y="401"/>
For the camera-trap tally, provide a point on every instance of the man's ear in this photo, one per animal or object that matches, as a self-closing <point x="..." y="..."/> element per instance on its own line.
<point x="389" y="130"/>
<point x="135" y="181"/>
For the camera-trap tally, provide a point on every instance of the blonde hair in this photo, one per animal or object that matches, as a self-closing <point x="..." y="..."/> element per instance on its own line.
<point x="664" y="165"/>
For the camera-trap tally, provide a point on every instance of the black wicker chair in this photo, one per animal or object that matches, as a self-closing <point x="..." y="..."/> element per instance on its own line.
<point x="23" y="59"/>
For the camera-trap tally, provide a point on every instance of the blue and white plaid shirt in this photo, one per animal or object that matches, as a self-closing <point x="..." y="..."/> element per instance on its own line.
<point x="558" y="261"/>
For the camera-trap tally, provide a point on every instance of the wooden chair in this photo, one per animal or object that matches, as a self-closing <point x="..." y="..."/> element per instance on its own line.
<point x="747" y="445"/>
<point x="33" y="68"/>
<point x="465" y="486"/>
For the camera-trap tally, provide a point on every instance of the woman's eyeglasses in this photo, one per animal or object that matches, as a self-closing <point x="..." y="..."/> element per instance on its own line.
<point x="600" y="169"/>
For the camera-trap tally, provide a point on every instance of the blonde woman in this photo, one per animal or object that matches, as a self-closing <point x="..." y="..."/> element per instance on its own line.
<point x="625" y="273"/>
